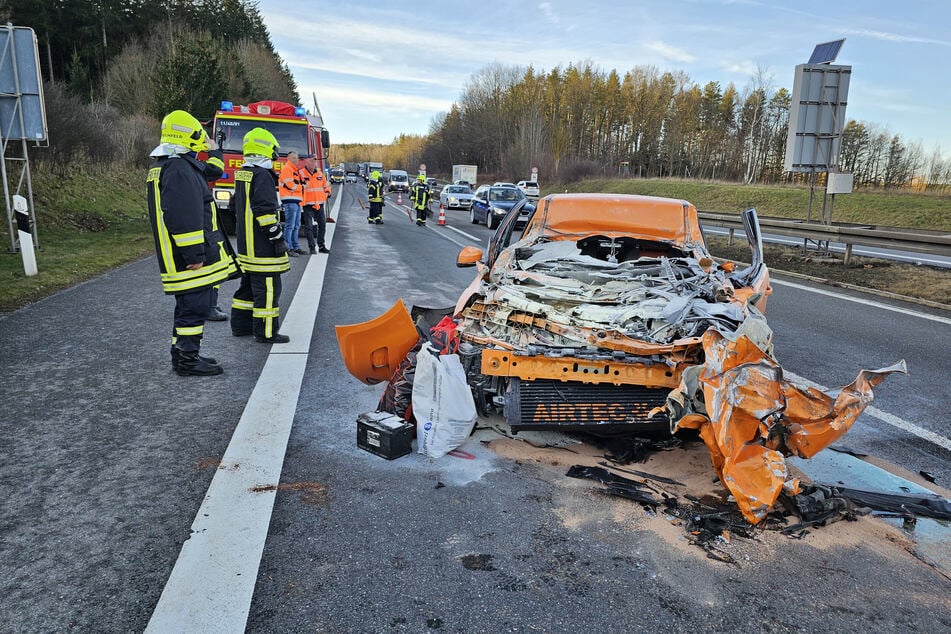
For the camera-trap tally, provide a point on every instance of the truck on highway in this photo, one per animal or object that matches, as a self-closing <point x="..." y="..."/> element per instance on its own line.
<point x="466" y="173"/>
<point x="294" y="129"/>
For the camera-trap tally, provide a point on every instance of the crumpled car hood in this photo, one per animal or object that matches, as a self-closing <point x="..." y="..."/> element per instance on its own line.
<point x="659" y="301"/>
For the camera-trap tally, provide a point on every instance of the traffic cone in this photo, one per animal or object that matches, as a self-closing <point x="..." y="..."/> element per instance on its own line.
<point x="442" y="215"/>
<point x="399" y="198"/>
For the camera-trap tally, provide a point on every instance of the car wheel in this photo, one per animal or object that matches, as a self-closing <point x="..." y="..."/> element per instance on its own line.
<point x="472" y="217"/>
<point x="490" y="220"/>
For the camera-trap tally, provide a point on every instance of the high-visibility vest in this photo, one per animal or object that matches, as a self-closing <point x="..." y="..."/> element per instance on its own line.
<point x="315" y="188"/>
<point x="290" y="184"/>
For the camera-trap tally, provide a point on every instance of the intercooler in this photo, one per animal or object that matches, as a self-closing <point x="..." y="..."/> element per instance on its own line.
<point x="590" y="407"/>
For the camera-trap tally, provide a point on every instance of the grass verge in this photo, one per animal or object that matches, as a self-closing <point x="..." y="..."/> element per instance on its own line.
<point x="87" y="223"/>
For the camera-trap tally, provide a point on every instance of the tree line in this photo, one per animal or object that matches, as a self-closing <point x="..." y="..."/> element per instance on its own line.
<point x="580" y="121"/>
<point x="111" y="68"/>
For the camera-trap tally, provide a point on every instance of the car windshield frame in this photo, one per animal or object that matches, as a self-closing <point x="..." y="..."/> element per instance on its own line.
<point x="458" y="189"/>
<point x="291" y="135"/>
<point x="504" y="195"/>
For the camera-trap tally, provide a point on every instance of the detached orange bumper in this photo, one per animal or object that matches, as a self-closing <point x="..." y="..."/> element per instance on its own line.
<point x="373" y="349"/>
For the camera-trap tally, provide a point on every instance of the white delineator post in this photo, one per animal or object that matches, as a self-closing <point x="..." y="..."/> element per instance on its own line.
<point x="27" y="251"/>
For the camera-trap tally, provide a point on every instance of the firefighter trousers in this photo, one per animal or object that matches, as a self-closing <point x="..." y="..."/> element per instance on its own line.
<point x="188" y="323"/>
<point x="254" y="309"/>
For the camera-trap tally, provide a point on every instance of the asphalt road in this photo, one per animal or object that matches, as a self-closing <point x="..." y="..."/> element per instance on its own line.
<point x="108" y="457"/>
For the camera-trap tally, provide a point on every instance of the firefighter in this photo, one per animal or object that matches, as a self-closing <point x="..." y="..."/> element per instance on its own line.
<point x="315" y="195"/>
<point x="375" y="196"/>
<point x="187" y="245"/>
<point x="291" y="189"/>
<point x="262" y="250"/>
<point x="419" y="194"/>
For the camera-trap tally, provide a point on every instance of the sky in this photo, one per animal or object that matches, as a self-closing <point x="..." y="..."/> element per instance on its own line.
<point x="381" y="69"/>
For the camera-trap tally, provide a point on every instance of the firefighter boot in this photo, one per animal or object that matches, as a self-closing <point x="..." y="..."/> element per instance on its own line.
<point x="175" y="356"/>
<point x="190" y="364"/>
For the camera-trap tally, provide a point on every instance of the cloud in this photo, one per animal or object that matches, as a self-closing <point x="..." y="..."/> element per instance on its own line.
<point x="669" y="52"/>
<point x="545" y="8"/>
<point x="742" y="67"/>
<point x="345" y="97"/>
<point x="895" y="37"/>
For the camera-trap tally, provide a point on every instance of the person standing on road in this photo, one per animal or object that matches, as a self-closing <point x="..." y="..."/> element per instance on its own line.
<point x="419" y="194"/>
<point x="190" y="257"/>
<point x="315" y="195"/>
<point x="291" y="189"/>
<point x="375" y="196"/>
<point x="262" y="250"/>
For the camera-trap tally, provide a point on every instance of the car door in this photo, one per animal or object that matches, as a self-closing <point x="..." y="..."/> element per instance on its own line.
<point x="480" y="205"/>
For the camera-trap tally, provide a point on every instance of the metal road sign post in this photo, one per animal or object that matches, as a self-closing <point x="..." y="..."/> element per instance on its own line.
<point x="22" y="119"/>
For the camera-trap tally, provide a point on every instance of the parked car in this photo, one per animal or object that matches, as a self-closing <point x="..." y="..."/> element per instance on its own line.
<point x="351" y="177"/>
<point x="530" y="188"/>
<point x="456" y="197"/>
<point x="503" y="184"/>
<point x="491" y="203"/>
<point x="466" y="183"/>
<point x="433" y="185"/>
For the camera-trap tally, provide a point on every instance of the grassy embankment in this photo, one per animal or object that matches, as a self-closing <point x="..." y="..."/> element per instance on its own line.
<point x="89" y="223"/>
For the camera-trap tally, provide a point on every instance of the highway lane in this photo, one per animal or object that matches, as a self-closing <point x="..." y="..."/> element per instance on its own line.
<point x="104" y="473"/>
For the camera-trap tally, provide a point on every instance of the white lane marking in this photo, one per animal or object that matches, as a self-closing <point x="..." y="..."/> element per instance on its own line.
<point x="885" y="417"/>
<point x="212" y="584"/>
<point x="859" y="300"/>
<point x="468" y="235"/>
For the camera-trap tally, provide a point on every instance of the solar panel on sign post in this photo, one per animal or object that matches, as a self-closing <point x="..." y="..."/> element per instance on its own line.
<point x="826" y="52"/>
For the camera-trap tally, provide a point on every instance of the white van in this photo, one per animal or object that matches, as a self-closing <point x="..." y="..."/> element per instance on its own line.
<point x="399" y="181"/>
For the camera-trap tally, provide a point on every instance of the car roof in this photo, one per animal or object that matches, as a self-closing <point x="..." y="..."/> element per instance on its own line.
<point x="650" y="217"/>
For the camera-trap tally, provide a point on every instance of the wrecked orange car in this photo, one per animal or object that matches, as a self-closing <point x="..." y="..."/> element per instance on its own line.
<point x="607" y="314"/>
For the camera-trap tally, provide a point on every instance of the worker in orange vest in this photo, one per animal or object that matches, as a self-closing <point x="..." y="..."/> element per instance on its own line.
<point x="290" y="188"/>
<point x="315" y="195"/>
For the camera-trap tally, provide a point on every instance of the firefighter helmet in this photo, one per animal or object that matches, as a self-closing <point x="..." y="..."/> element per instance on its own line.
<point x="421" y="178"/>
<point x="374" y="175"/>
<point x="260" y="142"/>
<point x="180" y="128"/>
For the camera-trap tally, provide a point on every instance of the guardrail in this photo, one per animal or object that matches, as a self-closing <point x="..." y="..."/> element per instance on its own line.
<point x="917" y="240"/>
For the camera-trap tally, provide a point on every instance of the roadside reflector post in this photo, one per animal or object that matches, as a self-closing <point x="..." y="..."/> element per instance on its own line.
<point x="27" y="252"/>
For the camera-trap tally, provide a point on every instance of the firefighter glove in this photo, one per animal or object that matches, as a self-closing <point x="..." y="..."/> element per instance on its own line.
<point x="275" y="233"/>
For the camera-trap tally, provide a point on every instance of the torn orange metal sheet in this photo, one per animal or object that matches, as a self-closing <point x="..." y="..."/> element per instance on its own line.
<point x="751" y="417"/>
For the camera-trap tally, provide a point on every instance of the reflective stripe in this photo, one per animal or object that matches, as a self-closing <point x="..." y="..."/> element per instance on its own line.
<point x="264" y="265"/>
<point x="189" y="331"/>
<point x="161" y="231"/>
<point x="189" y="239"/>
<point x="268" y="219"/>
<point x="243" y="175"/>
<point x="242" y="304"/>
<point x="269" y="302"/>
<point x="215" y="161"/>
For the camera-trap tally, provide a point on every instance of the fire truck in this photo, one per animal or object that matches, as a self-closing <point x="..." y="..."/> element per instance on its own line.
<point x="294" y="129"/>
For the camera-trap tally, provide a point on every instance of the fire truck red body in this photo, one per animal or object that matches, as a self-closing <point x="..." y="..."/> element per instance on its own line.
<point x="294" y="129"/>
